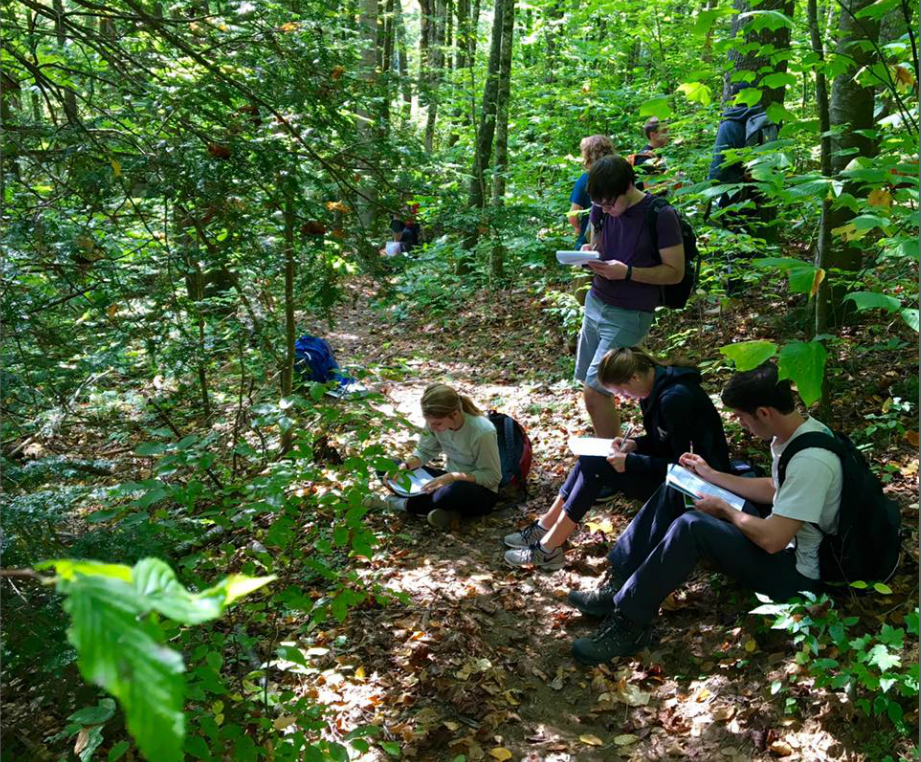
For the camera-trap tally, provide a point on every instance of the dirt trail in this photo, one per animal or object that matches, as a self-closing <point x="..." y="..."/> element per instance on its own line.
<point x="479" y="665"/>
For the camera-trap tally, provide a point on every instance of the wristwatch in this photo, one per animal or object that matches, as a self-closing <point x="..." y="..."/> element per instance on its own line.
<point x="629" y="274"/>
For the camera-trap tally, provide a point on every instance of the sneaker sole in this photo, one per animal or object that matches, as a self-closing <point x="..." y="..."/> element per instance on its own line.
<point x="441" y="519"/>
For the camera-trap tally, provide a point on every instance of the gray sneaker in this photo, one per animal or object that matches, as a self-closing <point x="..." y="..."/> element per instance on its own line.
<point x="385" y="503"/>
<point x="442" y="519"/>
<point x="535" y="557"/>
<point x="532" y="533"/>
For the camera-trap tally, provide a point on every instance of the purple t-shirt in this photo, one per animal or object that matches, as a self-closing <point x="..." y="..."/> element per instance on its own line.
<point x="627" y="238"/>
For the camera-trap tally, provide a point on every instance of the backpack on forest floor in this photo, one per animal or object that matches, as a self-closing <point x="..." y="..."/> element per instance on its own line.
<point x="677" y="294"/>
<point x="314" y="361"/>
<point x="866" y="546"/>
<point x="514" y="456"/>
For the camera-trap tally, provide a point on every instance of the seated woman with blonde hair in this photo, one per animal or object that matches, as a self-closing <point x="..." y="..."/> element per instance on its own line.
<point x="678" y="417"/>
<point x="455" y="426"/>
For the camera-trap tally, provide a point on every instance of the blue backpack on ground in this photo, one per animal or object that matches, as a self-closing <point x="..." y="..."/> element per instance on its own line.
<point x="314" y="361"/>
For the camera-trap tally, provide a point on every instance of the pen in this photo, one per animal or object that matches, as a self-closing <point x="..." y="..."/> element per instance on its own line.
<point x="692" y="447"/>
<point x="626" y="436"/>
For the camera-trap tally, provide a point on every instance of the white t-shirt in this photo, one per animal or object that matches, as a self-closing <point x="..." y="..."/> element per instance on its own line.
<point x="811" y="492"/>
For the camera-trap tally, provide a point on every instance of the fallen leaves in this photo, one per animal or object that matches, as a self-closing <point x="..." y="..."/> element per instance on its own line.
<point x="589" y="740"/>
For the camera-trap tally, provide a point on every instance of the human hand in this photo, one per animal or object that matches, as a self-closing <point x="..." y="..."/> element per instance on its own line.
<point x="438" y="482"/>
<point x="612" y="269"/>
<point x="588" y="247"/>
<point x="713" y="506"/>
<point x="698" y="465"/>
<point x="411" y="464"/>
<point x="624" y="445"/>
<point x="618" y="461"/>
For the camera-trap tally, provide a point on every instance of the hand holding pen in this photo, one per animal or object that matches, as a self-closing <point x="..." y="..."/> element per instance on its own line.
<point x="623" y="447"/>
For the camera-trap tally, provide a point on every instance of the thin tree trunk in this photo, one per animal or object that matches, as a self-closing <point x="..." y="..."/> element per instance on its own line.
<point x="487" y="125"/>
<point x="403" y="58"/>
<point x="70" y="99"/>
<point x="755" y="60"/>
<point x="821" y="97"/>
<point x="368" y="130"/>
<point x="496" y="259"/>
<point x="437" y="31"/>
<point x="287" y="373"/>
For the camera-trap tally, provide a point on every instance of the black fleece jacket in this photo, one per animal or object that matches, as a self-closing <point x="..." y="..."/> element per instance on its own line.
<point x="676" y="413"/>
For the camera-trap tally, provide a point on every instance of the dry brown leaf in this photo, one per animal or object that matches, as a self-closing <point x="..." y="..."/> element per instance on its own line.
<point x="913" y="438"/>
<point x="780" y="749"/>
<point x="626" y="739"/>
<point x="590" y="740"/>
<point x="724" y="713"/>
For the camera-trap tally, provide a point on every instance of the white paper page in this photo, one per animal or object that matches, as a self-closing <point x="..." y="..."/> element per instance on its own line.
<point x="417" y="480"/>
<point x="576" y="257"/>
<point x="591" y="446"/>
<point x="691" y="484"/>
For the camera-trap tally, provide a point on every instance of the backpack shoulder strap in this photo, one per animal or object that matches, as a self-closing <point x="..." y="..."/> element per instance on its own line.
<point x="652" y="219"/>
<point x="803" y="442"/>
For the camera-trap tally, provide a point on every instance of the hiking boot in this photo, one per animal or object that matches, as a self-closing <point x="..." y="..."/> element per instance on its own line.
<point x="617" y="636"/>
<point x="532" y="533"/>
<point x="607" y="495"/>
<point x="600" y="601"/>
<point x="534" y="556"/>
<point x="442" y="519"/>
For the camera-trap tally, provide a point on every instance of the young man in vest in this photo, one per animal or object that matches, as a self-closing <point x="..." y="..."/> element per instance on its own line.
<point x="628" y="277"/>
<point x="777" y="555"/>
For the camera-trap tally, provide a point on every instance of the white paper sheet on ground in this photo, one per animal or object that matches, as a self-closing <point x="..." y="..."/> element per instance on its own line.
<point x="689" y="483"/>
<point x="576" y="257"/>
<point x="353" y="389"/>
<point x="417" y="480"/>
<point x="591" y="446"/>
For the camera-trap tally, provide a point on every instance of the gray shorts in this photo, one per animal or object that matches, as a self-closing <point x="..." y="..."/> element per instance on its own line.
<point x="605" y="328"/>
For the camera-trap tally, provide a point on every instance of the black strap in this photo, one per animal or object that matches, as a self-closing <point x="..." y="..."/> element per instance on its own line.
<point x="803" y="442"/>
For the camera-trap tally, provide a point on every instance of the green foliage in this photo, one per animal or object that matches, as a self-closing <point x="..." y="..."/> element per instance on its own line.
<point x="120" y="644"/>
<point x="869" y="667"/>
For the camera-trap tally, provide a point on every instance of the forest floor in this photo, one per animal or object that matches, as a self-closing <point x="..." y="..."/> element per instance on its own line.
<point x="479" y="664"/>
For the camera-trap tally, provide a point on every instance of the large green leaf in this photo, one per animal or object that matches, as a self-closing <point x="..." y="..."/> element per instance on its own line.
<point x="804" y="364"/>
<point x="120" y="648"/>
<point x="696" y="92"/>
<point x="910" y="316"/>
<point x="780" y="79"/>
<point x="746" y="355"/>
<point x="772" y="20"/>
<point x="657" y="106"/>
<point x="871" y="300"/>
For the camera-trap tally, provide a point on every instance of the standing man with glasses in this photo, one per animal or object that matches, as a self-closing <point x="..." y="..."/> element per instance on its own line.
<point x="626" y="289"/>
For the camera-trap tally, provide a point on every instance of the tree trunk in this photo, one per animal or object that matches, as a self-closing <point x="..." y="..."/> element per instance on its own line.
<point x="851" y="111"/>
<point x="367" y="131"/>
<point x="821" y="97"/>
<point x="70" y="98"/>
<point x="287" y="372"/>
<point x="755" y="60"/>
<point x="487" y="124"/>
<point x="406" y="86"/>
<point x="436" y="50"/>
<point x="496" y="269"/>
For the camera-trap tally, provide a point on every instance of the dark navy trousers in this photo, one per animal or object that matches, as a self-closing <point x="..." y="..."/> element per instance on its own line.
<point x="590" y="475"/>
<point x="663" y="544"/>
<point x="466" y="498"/>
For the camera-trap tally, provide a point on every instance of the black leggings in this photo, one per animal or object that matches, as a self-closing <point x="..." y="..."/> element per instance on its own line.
<point x="590" y="474"/>
<point x="466" y="498"/>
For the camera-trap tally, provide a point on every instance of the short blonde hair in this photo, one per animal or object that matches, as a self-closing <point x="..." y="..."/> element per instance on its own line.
<point x="595" y="147"/>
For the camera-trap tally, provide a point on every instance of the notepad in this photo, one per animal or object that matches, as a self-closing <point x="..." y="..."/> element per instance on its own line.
<point x="690" y="484"/>
<point x="577" y="257"/>
<point x="417" y="480"/>
<point x="591" y="446"/>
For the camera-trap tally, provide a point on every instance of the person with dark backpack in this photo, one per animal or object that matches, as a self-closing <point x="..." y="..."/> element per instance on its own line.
<point x="740" y="127"/>
<point x="634" y="264"/>
<point x="677" y="415"/>
<point x="816" y="530"/>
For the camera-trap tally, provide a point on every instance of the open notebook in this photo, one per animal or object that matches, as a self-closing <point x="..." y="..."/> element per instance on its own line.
<point x="417" y="480"/>
<point x="690" y="484"/>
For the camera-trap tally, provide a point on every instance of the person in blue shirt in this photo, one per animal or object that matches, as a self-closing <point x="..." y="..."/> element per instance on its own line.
<point x="593" y="148"/>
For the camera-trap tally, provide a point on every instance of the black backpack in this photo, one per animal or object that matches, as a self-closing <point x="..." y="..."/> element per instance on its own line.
<point x="867" y="546"/>
<point x="759" y="129"/>
<point x="514" y="454"/>
<point x="677" y="294"/>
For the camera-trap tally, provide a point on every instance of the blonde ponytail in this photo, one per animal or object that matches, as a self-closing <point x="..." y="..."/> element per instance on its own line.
<point x="440" y="401"/>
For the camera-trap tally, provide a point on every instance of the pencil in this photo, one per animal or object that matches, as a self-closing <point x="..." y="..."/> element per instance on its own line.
<point x="692" y="447"/>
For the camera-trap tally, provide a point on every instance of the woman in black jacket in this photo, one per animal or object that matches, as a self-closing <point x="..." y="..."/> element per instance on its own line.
<point x="678" y="417"/>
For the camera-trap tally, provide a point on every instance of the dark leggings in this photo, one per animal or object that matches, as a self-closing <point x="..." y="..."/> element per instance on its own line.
<point x="465" y="498"/>
<point x="590" y="474"/>
<point x="660" y="548"/>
